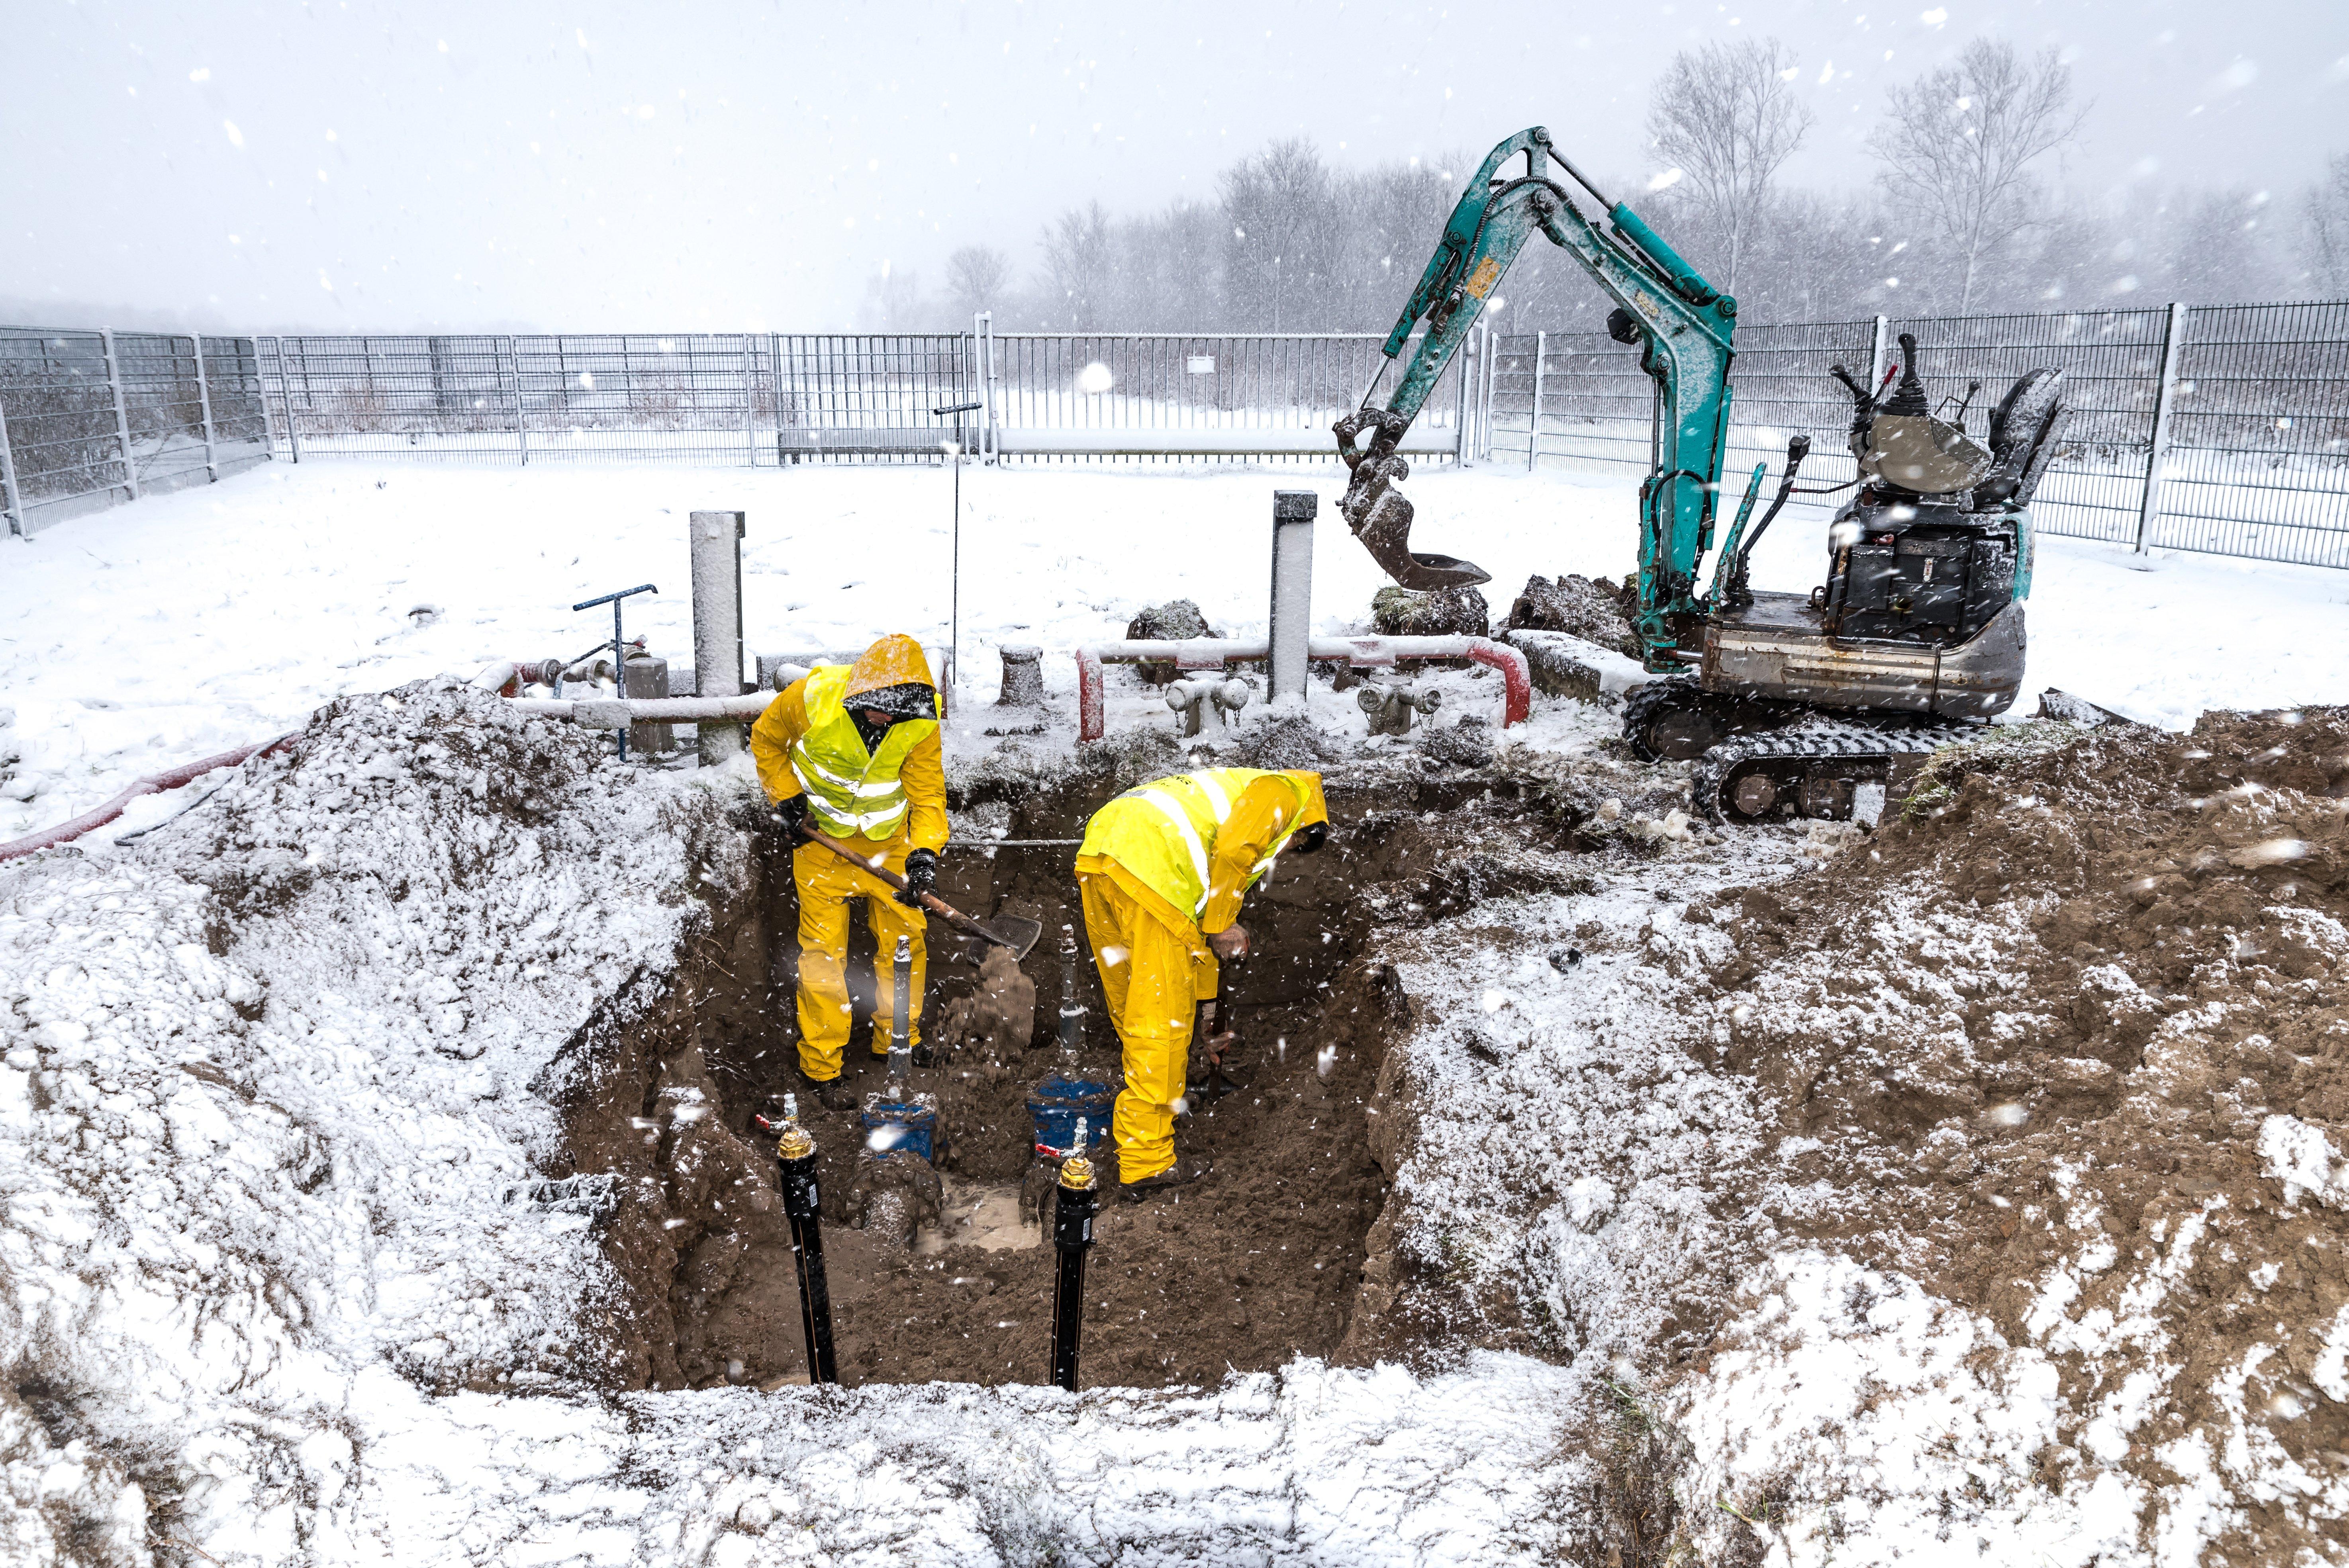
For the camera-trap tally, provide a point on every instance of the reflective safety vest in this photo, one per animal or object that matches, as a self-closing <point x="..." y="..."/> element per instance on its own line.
<point x="1165" y="833"/>
<point x="851" y="793"/>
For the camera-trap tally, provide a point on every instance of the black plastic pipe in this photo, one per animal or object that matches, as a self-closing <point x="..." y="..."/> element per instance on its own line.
<point x="795" y="1154"/>
<point x="1073" y="1234"/>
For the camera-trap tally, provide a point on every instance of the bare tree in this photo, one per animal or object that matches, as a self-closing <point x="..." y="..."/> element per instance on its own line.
<point x="976" y="278"/>
<point x="1080" y="263"/>
<point x="1287" y="229"/>
<point x="1958" y="144"/>
<point x="1727" y="116"/>
<point x="2326" y="215"/>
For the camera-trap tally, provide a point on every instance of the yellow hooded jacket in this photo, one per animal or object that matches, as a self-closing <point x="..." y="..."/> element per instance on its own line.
<point x="1188" y="847"/>
<point x="806" y="743"/>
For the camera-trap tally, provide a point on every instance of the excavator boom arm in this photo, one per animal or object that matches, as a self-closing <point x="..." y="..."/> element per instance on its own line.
<point x="1684" y="327"/>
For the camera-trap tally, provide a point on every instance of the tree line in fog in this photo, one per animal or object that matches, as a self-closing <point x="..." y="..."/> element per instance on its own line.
<point x="1964" y="216"/>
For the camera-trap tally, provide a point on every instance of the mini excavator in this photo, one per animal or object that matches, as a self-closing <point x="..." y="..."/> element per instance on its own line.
<point x="1791" y="704"/>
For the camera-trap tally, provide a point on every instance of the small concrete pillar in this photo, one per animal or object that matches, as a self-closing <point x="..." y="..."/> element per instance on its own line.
<point x="717" y="545"/>
<point x="649" y="677"/>
<point x="1023" y="676"/>
<point x="1292" y="594"/>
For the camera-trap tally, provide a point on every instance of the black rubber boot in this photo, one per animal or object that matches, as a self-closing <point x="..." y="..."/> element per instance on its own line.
<point x="1181" y="1174"/>
<point x="830" y="1093"/>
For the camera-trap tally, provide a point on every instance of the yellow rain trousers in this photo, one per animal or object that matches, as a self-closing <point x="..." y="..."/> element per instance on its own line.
<point x="1155" y="976"/>
<point x="908" y="782"/>
<point x="1163" y="866"/>
<point x="826" y="883"/>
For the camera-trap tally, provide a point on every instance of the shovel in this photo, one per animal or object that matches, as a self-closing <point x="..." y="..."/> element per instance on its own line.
<point x="1221" y="1038"/>
<point x="1015" y="932"/>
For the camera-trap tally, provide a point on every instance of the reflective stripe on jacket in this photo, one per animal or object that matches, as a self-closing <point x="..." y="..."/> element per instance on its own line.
<point x="1197" y="841"/>
<point x="851" y="792"/>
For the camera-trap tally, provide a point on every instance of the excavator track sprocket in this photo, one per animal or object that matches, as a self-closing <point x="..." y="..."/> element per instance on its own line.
<point x="1819" y="768"/>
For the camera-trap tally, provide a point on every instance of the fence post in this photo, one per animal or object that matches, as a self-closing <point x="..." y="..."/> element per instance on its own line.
<point x="2148" y="508"/>
<point x="512" y="358"/>
<point x="121" y="414"/>
<point x="17" y="524"/>
<point x="751" y="398"/>
<point x="1491" y="375"/>
<point x="1464" y="367"/>
<point x="1533" y="424"/>
<point x="1876" y="357"/>
<point x="205" y="400"/>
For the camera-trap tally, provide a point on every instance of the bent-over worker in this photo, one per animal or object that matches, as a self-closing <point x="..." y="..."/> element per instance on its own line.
<point x="852" y="751"/>
<point x="1162" y="872"/>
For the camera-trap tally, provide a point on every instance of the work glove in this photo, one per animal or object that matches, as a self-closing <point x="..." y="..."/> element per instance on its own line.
<point x="921" y="877"/>
<point x="790" y="816"/>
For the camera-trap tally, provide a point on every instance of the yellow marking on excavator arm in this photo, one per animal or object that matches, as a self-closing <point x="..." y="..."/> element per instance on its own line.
<point x="1480" y="282"/>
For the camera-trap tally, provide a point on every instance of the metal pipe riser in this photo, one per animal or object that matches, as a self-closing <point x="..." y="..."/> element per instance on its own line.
<point x="802" y="1205"/>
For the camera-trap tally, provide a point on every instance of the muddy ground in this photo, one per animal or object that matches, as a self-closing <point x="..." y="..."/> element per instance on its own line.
<point x="1261" y="1261"/>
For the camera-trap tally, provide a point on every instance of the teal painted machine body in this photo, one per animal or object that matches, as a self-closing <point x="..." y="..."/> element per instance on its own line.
<point x="1685" y="326"/>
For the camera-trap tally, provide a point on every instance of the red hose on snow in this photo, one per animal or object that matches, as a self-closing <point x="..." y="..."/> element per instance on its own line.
<point x="153" y="784"/>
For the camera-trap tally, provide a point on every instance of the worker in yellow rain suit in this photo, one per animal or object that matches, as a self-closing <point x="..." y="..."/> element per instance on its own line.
<point x="852" y="751"/>
<point x="1162" y="870"/>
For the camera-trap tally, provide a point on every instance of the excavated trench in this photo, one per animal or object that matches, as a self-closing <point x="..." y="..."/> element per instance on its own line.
<point x="1262" y="1261"/>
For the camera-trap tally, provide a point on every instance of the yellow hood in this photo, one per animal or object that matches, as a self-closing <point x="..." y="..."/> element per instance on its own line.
<point x="1309" y="788"/>
<point x="896" y="660"/>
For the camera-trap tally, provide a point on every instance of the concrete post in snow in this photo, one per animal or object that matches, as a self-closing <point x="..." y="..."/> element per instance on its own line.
<point x="1292" y="594"/>
<point x="717" y="547"/>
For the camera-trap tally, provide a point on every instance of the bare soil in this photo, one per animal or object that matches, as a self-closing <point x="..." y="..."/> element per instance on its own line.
<point x="1258" y="1263"/>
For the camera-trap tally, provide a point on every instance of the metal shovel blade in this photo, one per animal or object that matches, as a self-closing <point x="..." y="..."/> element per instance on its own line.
<point x="1016" y="932"/>
<point x="1386" y="534"/>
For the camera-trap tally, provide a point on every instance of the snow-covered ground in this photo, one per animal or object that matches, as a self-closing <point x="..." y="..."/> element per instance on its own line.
<point x="158" y="633"/>
<point x="247" y="1192"/>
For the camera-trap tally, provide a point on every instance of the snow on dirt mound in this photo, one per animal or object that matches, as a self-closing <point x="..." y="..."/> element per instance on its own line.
<point x="265" y="1092"/>
<point x="1971" y="1182"/>
<point x="2066" y="1048"/>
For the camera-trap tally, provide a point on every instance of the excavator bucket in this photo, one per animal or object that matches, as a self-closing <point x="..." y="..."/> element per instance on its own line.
<point x="1385" y="532"/>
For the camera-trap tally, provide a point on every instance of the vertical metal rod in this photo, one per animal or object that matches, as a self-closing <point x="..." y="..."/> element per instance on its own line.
<point x="901" y="1019"/>
<point x="954" y="590"/>
<point x="1533" y="426"/>
<point x="619" y="672"/>
<point x="1075" y="1200"/>
<point x="750" y="400"/>
<point x="775" y="387"/>
<point x="121" y="414"/>
<point x="1876" y="356"/>
<point x="1461" y="370"/>
<point x="2148" y="508"/>
<point x="802" y="1206"/>
<point x="204" y="401"/>
<point x="17" y="524"/>
<point x="1072" y="1011"/>
<point x="513" y="355"/>
<point x="285" y="396"/>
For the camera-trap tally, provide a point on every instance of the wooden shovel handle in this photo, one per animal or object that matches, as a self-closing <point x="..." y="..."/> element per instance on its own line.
<point x="930" y="901"/>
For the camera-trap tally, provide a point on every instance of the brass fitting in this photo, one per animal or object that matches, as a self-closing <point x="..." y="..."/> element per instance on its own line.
<point x="1076" y="1172"/>
<point x="794" y="1142"/>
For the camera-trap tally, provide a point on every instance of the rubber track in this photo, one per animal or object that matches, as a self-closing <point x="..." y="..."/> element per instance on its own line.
<point x="1641" y="705"/>
<point x="1814" y="737"/>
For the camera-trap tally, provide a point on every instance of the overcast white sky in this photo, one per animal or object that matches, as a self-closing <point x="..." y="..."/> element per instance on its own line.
<point x="594" y="165"/>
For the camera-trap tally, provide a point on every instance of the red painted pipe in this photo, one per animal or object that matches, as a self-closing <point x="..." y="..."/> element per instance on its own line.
<point x="154" y="784"/>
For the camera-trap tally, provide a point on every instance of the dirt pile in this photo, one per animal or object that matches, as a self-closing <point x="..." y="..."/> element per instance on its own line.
<point x="2055" y="1044"/>
<point x="1590" y="608"/>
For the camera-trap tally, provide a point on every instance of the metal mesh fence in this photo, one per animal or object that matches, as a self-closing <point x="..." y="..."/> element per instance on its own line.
<point x="763" y="398"/>
<point x="2220" y="428"/>
<point x="92" y="418"/>
<point x="2252" y="459"/>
